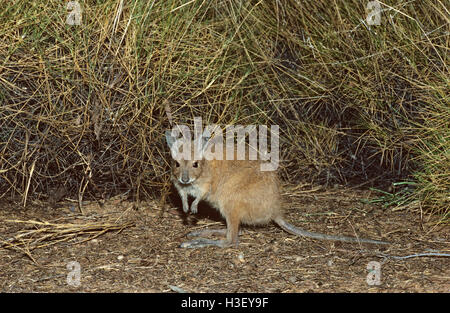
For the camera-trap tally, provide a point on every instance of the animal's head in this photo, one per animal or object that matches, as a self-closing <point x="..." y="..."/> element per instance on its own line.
<point x="187" y="162"/>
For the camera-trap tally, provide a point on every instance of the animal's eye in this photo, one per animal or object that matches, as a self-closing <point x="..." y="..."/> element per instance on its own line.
<point x="177" y="164"/>
<point x="195" y="164"/>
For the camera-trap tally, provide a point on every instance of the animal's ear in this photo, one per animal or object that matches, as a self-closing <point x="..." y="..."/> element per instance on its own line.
<point x="208" y="141"/>
<point x="169" y="138"/>
<point x="212" y="148"/>
<point x="200" y="145"/>
<point x="205" y="141"/>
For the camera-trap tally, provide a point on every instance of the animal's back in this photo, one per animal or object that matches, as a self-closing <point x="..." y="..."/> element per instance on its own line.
<point x="239" y="188"/>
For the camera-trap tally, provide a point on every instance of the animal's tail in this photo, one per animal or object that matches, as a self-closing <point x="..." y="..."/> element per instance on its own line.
<point x="300" y="232"/>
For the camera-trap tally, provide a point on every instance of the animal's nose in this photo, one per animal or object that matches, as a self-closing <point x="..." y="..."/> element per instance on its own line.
<point x="185" y="178"/>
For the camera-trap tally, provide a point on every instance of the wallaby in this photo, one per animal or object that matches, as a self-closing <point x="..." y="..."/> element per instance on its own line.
<point x="238" y="189"/>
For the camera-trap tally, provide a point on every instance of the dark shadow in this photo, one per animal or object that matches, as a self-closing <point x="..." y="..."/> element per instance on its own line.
<point x="205" y="211"/>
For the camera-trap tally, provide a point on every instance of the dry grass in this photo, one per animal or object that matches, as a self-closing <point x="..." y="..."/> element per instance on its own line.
<point x="39" y="234"/>
<point x="83" y="106"/>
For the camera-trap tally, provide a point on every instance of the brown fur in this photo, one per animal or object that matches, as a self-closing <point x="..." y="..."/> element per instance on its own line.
<point x="240" y="191"/>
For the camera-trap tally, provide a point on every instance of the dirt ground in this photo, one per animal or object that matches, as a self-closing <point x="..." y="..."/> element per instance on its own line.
<point x="142" y="254"/>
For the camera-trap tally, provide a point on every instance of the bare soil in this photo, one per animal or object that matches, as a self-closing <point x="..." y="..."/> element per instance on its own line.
<point x="145" y="255"/>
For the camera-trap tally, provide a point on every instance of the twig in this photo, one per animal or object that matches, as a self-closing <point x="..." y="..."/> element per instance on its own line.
<point x="431" y="254"/>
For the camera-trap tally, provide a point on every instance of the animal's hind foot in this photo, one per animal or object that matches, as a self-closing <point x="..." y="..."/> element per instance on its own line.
<point x="206" y="232"/>
<point x="201" y="243"/>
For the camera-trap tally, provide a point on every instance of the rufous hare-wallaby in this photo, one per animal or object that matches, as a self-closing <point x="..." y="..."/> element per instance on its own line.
<point x="238" y="189"/>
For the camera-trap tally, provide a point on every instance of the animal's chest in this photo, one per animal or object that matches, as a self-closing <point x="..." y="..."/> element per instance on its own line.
<point x="191" y="190"/>
<point x="194" y="191"/>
